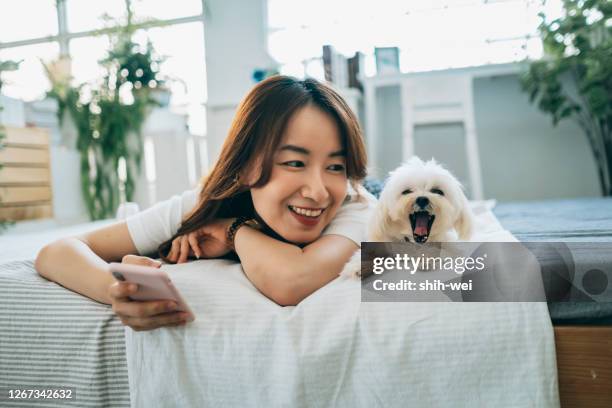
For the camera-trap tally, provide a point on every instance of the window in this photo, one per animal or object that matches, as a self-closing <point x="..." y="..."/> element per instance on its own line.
<point x="32" y="36"/>
<point x="24" y="19"/>
<point x="162" y="11"/>
<point x="431" y="34"/>
<point x="29" y="82"/>
<point x="85" y="54"/>
<point x="184" y="67"/>
<point x="84" y="15"/>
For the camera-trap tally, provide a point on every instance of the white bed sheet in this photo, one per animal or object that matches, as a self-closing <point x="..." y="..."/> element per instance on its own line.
<point x="244" y="350"/>
<point x="25" y="245"/>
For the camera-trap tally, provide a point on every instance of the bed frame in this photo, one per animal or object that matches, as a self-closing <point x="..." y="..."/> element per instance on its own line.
<point x="584" y="365"/>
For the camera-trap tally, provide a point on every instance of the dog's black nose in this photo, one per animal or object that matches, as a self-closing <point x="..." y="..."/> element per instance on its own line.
<point x="422" y="201"/>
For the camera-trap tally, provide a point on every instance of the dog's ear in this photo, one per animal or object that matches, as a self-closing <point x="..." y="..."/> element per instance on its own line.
<point x="465" y="221"/>
<point x="380" y="222"/>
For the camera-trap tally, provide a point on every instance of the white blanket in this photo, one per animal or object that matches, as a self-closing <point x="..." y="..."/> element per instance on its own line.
<point x="331" y="350"/>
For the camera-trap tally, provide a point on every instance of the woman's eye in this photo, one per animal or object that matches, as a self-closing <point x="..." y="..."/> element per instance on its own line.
<point x="336" y="167"/>
<point x="437" y="191"/>
<point x="406" y="191"/>
<point x="293" y="163"/>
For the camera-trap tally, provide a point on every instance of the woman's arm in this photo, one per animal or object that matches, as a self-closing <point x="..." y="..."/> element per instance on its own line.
<point x="80" y="263"/>
<point x="283" y="272"/>
<point x="287" y="273"/>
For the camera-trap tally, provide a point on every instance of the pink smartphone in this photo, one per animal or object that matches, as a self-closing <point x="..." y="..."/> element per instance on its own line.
<point x="153" y="284"/>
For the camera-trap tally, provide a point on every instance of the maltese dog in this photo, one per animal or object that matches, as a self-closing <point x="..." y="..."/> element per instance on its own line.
<point x="421" y="202"/>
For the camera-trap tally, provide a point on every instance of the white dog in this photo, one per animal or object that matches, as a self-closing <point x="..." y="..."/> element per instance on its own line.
<point x="421" y="202"/>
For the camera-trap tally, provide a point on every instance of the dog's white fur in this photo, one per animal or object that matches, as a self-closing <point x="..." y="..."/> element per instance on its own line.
<point x="390" y="221"/>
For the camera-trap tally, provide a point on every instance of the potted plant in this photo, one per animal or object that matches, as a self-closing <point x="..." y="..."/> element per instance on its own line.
<point x="574" y="79"/>
<point x="109" y="123"/>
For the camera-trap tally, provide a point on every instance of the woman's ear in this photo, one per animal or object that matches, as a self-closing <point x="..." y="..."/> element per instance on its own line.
<point x="465" y="221"/>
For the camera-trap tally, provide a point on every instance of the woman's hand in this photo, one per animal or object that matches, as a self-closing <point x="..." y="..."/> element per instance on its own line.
<point x="210" y="241"/>
<point x="143" y="315"/>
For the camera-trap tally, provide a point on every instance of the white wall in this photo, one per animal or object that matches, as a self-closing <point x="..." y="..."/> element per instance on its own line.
<point x="167" y="131"/>
<point x="522" y="156"/>
<point x="236" y="36"/>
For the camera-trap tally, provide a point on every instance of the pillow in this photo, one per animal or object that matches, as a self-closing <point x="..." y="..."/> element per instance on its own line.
<point x="374" y="186"/>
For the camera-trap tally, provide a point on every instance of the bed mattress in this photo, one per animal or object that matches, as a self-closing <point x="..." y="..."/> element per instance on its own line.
<point x="51" y="337"/>
<point x="49" y="333"/>
<point x="575" y="220"/>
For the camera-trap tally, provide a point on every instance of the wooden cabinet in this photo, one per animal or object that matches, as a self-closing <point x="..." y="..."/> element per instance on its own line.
<point x="584" y="366"/>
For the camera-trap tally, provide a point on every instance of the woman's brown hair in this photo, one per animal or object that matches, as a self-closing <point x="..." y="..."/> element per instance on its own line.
<point x="255" y="134"/>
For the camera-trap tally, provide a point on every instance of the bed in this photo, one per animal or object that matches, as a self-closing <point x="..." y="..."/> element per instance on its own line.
<point x="95" y="345"/>
<point x="583" y="331"/>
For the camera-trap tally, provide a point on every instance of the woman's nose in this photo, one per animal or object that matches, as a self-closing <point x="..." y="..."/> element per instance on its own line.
<point x="315" y="189"/>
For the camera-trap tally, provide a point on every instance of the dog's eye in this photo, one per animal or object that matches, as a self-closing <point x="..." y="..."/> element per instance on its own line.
<point x="406" y="191"/>
<point x="437" y="191"/>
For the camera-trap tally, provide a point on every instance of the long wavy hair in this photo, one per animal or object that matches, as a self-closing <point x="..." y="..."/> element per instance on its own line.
<point x="255" y="133"/>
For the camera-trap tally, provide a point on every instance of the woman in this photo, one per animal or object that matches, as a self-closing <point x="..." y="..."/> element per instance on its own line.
<point x="276" y="199"/>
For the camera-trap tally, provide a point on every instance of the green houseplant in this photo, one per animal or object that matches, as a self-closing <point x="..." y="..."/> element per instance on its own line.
<point x="574" y="79"/>
<point x="109" y="123"/>
<point x="5" y="66"/>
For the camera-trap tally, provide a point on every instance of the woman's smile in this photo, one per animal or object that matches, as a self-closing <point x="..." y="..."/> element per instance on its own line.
<point x="306" y="216"/>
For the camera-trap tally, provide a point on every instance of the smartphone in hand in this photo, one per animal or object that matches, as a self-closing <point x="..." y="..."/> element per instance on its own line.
<point x="153" y="284"/>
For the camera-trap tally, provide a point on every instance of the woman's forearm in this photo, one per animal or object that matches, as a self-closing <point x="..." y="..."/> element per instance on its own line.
<point x="279" y="270"/>
<point x="72" y="264"/>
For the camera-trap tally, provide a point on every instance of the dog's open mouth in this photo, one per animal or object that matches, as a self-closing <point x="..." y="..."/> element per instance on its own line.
<point x="421" y="222"/>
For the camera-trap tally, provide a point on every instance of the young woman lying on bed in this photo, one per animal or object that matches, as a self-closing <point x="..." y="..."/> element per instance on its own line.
<point x="283" y="198"/>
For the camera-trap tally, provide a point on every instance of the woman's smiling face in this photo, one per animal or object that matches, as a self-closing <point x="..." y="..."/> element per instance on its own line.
<point x="308" y="182"/>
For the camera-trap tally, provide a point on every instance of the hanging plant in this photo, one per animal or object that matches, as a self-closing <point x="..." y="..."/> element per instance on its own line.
<point x="109" y="124"/>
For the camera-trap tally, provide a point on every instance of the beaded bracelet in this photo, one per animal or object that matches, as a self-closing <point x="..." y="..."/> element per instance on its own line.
<point x="239" y="222"/>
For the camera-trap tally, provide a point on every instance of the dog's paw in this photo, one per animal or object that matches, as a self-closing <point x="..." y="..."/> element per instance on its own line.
<point x="352" y="269"/>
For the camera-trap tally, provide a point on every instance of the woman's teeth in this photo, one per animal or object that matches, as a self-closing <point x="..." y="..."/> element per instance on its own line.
<point x="306" y="213"/>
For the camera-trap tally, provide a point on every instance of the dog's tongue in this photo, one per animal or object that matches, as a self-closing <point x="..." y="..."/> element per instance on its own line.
<point x="421" y="224"/>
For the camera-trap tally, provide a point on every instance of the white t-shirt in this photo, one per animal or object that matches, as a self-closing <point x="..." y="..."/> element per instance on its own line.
<point x="160" y="222"/>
